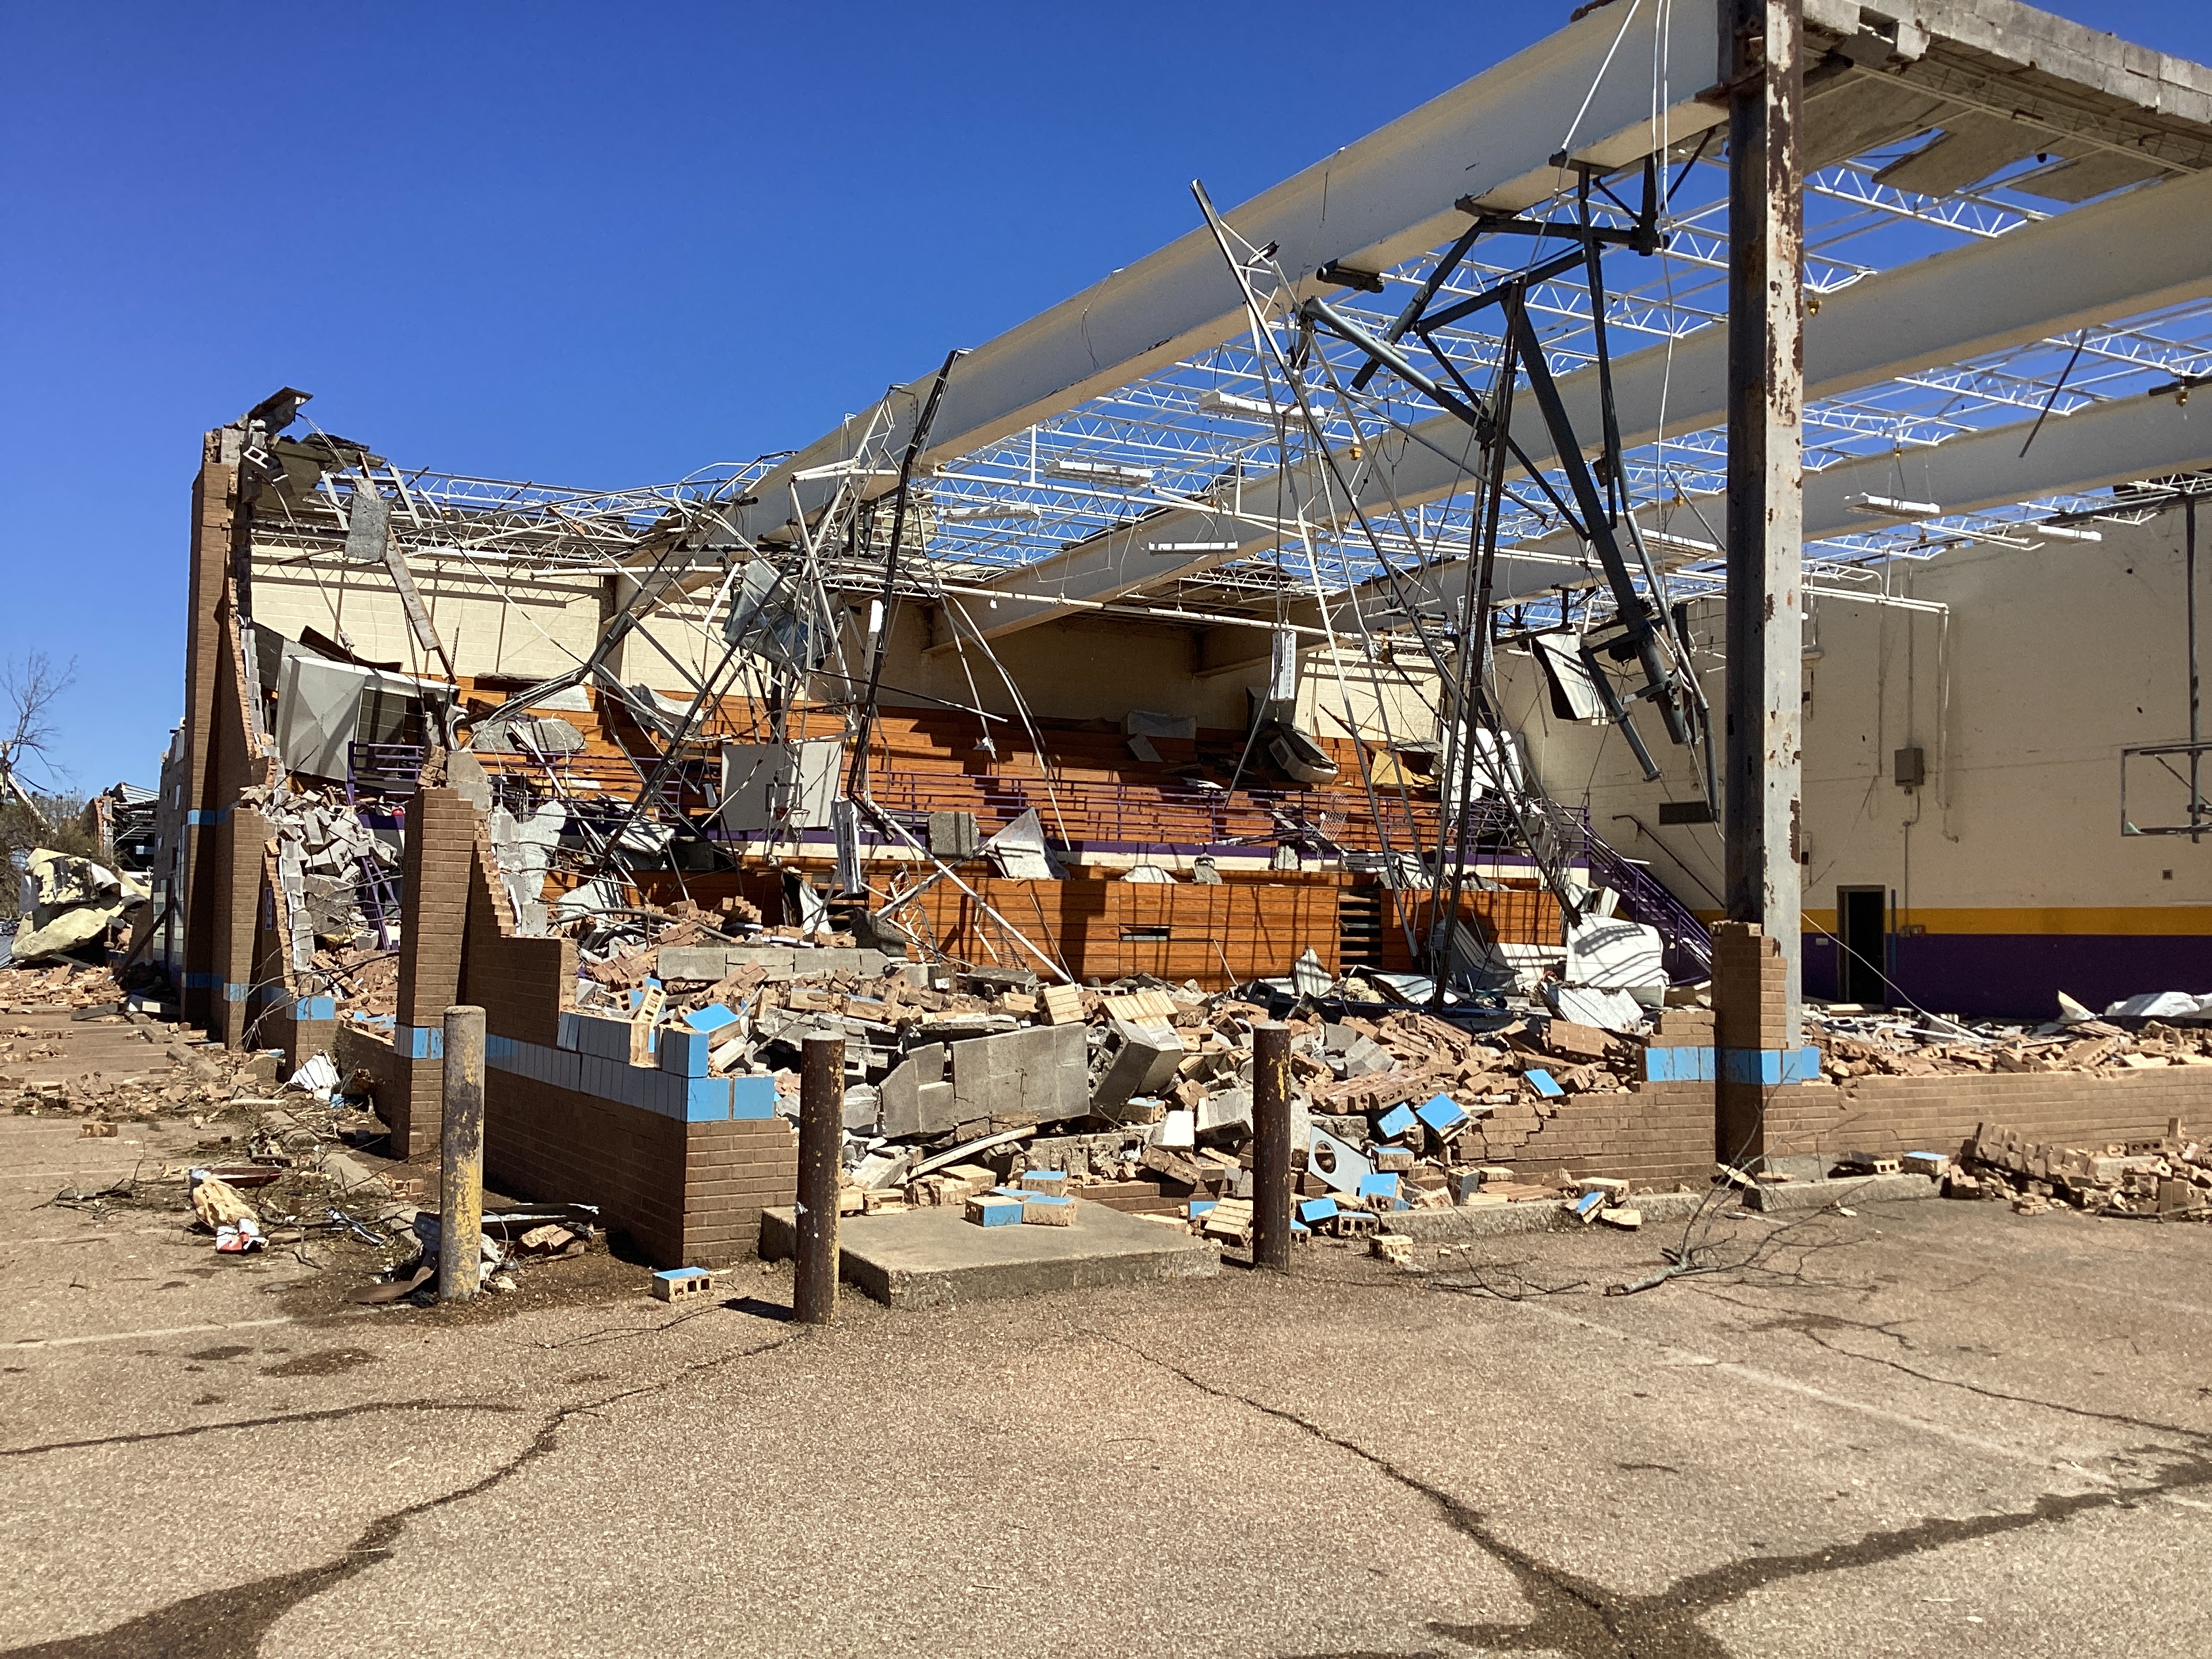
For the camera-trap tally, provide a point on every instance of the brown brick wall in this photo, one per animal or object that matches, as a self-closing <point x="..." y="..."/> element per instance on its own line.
<point x="1662" y="1133"/>
<point x="522" y="984"/>
<point x="440" y="843"/>
<point x="1751" y="1011"/>
<point x="688" y="1194"/>
<point x="213" y="499"/>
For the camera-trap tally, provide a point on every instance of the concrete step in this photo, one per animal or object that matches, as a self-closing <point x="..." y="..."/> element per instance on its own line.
<point x="935" y="1258"/>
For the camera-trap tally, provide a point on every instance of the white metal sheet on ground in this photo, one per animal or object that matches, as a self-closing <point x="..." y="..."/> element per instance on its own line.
<point x="1612" y="954"/>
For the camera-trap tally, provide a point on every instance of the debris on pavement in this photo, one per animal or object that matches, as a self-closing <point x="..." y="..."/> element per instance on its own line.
<point x="2167" y="1179"/>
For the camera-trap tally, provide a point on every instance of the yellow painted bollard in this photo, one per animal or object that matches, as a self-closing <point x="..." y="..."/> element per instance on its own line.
<point x="460" y="1158"/>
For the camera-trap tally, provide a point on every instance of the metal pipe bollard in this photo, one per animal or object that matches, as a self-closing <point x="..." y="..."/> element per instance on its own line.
<point x="1271" y="1146"/>
<point x="821" y="1141"/>
<point x="460" y="1158"/>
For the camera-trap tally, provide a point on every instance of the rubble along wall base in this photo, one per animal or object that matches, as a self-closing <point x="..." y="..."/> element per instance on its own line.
<point x="1661" y="1133"/>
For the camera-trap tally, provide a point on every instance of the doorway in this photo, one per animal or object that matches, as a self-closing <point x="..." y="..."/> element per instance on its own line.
<point x="1864" y="946"/>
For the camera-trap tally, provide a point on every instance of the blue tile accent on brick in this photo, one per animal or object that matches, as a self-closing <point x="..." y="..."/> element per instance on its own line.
<point x="315" y="1008"/>
<point x="752" y="1098"/>
<point x="420" y="1042"/>
<point x="1545" y="1084"/>
<point x="707" y="1100"/>
<point x="1382" y="1184"/>
<point x="1395" y="1122"/>
<point x="1678" y="1065"/>
<point x="1770" y="1067"/>
<point x="683" y="1051"/>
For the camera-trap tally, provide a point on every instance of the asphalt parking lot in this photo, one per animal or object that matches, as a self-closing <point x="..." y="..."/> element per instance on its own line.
<point x="1927" y="1428"/>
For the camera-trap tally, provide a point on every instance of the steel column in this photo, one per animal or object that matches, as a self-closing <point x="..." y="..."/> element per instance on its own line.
<point x="1766" y="461"/>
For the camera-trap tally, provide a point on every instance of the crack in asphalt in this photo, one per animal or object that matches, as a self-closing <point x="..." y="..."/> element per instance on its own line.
<point x="1577" y="1617"/>
<point x="229" y="1623"/>
<point x="333" y="1414"/>
<point x="1811" y="1325"/>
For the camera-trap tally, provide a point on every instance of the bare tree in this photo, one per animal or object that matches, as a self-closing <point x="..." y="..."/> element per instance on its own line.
<point x="31" y="691"/>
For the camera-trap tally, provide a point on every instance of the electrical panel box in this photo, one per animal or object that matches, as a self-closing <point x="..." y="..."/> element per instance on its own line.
<point x="1911" y="767"/>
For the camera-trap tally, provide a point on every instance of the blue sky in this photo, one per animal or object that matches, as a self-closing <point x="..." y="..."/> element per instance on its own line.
<point x="588" y="245"/>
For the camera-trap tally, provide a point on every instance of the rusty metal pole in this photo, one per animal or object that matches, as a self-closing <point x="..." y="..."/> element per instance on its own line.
<point x="1761" y="813"/>
<point x="821" y="1140"/>
<point x="460" y="1157"/>
<point x="1271" y="1146"/>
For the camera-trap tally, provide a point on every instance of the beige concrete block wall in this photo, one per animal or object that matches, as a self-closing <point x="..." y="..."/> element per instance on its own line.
<point x="2057" y="658"/>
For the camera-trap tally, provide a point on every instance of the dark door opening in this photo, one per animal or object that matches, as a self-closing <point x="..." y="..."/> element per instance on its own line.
<point x="1860" y="975"/>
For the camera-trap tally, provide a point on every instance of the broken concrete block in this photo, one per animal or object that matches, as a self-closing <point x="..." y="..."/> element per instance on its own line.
<point x="1178" y="1128"/>
<point x="862" y="1107"/>
<point x="678" y="1284"/>
<point x="1044" y="1181"/>
<point x="1047" y="1210"/>
<point x="881" y="1169"/>
<point x="1335" y="1164"/>
<point x="1040" y="1074"/>
<point x="1622" y="1216"/>
<point x="1396" y="1248"/>
<point x="1380" y="1189"/>
<point x="1063" y="1005"/>
<point x="1143" y="1062"/>
<point x="992" y="1211"/>
<point x="1226" y="1111"/>
<point x="901" y="1091"/>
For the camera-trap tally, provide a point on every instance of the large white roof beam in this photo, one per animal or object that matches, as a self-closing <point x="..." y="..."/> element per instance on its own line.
<point x="2131" y="255"/>
<point x="1370" y="205"/>
<point x="2108" y="443"/>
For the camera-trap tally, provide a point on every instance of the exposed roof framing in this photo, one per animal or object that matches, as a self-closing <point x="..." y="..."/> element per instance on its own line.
<point x="2008" y="221"/>
<point x="1969" y="261"/>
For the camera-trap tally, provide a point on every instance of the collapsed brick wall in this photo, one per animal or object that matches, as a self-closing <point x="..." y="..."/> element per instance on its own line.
<point x="685" y="1193"/>
<point x="277" y="1021"/>
<point x="1661" y="1133"/>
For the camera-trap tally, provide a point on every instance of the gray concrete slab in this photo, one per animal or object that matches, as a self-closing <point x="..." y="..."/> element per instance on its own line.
<point x="936" y="1258"/>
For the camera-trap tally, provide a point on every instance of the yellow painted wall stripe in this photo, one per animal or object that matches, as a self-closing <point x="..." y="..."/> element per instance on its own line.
<point x="2174" y="920"/>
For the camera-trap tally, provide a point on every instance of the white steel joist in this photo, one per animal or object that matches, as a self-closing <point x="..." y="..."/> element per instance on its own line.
<point x="2136" y="253"/>
<point x="1389" y="197"/>
<point x="2107" y="443"/>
